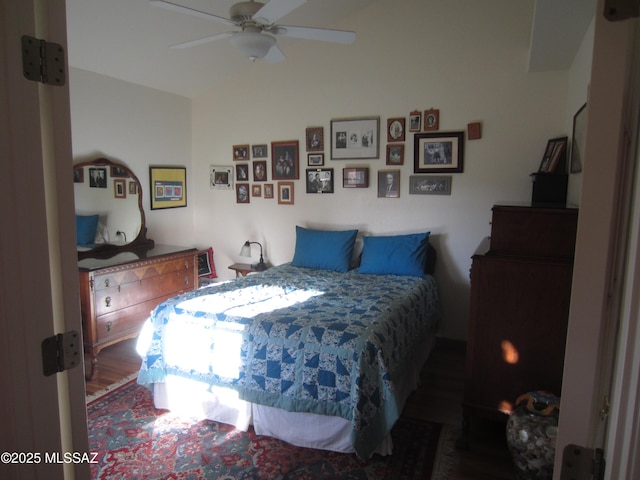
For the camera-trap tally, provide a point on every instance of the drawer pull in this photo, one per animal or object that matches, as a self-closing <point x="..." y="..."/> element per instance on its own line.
<point x="186" y="279"/>
<point x="106" y="282"/>
<point x="107" y="301"/>
<point x="109" y="325"/>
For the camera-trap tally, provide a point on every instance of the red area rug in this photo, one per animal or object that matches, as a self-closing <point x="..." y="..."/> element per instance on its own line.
<point x="134" y="440"/>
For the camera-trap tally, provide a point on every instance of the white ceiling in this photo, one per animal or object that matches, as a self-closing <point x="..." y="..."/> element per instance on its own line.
<point x="130" y="39"/>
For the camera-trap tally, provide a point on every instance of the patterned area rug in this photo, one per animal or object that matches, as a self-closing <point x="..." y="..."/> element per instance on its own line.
<point x="134" y="440"/>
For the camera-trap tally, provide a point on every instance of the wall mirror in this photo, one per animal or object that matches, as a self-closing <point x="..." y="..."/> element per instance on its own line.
<point x="109" y="213"/>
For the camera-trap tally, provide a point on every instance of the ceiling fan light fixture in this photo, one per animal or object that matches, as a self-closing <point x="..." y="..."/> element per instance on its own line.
<point x="253" y="44"/>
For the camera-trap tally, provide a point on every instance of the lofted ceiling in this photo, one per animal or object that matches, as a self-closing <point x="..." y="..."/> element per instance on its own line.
<point x="130" y="39"/>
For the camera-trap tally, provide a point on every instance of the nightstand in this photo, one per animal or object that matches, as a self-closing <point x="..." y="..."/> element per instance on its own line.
<point x="243" y="269"/>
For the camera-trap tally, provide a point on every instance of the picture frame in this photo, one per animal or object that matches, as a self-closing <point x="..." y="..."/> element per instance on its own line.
<point x="119" y="172"/>
<point x="268" y="190"/>
<point x="241" y="152"/>
<point x="206" y="267"/>
<point x="260" y="171"/>
<point x="256" y="190"/>
<point x="415" y="121"/>
<point x="320" y="180"/>
<point x="430" y="184"/>
<point x="395" y="129"/>
<point x="314" y="139"/>
<point x="315" y="159"/>
<point x="119" y="188"/>
<point x="431" y="119"/>
<point x="242" y="172"/>
<point x="242" y="193"/>
<point x="554" y="159"/>
<point x="168" y="187"/>
<point x="438" y="152"/>
<point x="355" y="177"/>
<point x="285" y="193"/>
<point x="133" y="188"/>
<point x="220" y="177"/>
<point x="285" y="160"/>
<point x="389" y="183"/>
<point x="395" y="154"/>
<point x="355" y="138"/>
<point x="260" y="151"/>
<point x="78" y="175"/>
<point x="98" y="177"/>
<point x="578" y="138"/>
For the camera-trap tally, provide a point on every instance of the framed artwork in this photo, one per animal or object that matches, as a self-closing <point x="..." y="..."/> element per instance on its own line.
<point x="285" y="193"/>
<point x="119" y="172"/>
<point x="355" y="138"/>
<point x="388" y="183"/>
<point x="256" y="190"/>
<point x="168" y="187"/>
<point x="260" y="171"/>
<point x="133" y="188"/>
<point x="119" y="188"/>
<point x="319" y="180"/>
<point x="415" y="121"/>
<point x="431" y="119"/>
<point x="357" y="177"/>
<point x="578" y="139"/>
<point x="395" y="130"/>
<point x="285" y="160"/>
<point x="315" y="139"/>
<point x="315" y="159"/>
<point x="438" y="152"/>
<point x="430" y="185"/>
<point x="78" y="175"/>
<point x="98" y="177"/>
<point x="554" y="159"/>
<point x="241" y="152"/>
<point x="395" y="154"/>
<point x="268" y="190"/>
<point x="242" y="172"/>
<point x="259" y="151"/>
<point x="220" y="178"/>
<point x="206" y="267"/>
<point x="242" y="193"/>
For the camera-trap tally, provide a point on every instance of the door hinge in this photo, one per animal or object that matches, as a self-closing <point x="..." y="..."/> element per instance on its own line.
<point x="43" y="61"/>
<point x="582" y="463"/>
<point x="61" y="352"/>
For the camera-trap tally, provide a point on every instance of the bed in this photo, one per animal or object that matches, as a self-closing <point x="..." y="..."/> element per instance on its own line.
<point x="313" y="352"/>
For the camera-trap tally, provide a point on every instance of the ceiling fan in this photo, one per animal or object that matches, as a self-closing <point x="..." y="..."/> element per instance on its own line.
<point x="258" y="28"/>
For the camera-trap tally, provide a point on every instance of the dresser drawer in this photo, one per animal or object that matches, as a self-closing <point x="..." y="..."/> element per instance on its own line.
<point x="113" y="279"/>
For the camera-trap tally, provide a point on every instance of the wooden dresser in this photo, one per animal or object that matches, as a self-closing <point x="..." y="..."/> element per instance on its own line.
<point x="118" y="293"/>
<point x="520" y="294"/>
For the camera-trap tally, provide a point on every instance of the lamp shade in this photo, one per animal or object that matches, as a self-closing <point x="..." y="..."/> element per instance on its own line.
<point x="253" y="44"/>
<point x="245" y="251"/>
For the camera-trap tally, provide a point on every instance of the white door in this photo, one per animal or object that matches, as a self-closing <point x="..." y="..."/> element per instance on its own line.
<point x="40" y="415"/>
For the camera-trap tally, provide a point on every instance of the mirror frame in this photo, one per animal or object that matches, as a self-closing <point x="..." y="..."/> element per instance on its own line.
<point x="107" y="250"/>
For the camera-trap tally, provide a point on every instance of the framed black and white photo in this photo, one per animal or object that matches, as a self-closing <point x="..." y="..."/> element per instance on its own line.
<point x="355" y="138"/>
<point x="259" y="151"/>
<point x="388" y="183"/>
<point x="395" y="130"/>
<point x="357" y="177"/>
<point x="284" y="160"/>
<point x="220" y="178"/>
<point x="395" y="154"/>
<point x="315" y="139"/>
<point x="242" y="193"/>
<point x="260" y="171"/>
<point x="241" y="152"/>
<point x="98" y="177"/>
<point x="315" y="159"/>
<point x="319" y="180"/>
<point x="438" y="152"/>
<point x="285" y="193"/>
<point x="430" y="185"/>
<point x="242" y="172"/>
<point x="415" y="121"/>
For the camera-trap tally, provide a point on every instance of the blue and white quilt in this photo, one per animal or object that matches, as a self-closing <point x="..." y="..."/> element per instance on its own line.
<point x="300" y="339"/>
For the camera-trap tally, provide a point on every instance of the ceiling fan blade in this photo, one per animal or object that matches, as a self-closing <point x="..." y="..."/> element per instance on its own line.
<point x="274" y="10"/>
<point x="200" y="41"/>
<point x="308" y="33"/>
<point x="274" y="55"/>
<point x="190" y="11"/>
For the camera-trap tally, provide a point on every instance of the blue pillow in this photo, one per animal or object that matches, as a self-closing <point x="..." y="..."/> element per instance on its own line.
<point x="322" y="249"/>
<point x="395" y="255"/>
<point x="86" y="226"/>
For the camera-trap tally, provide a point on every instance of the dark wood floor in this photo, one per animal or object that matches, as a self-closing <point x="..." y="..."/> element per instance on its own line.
<point x="438" y="399"/>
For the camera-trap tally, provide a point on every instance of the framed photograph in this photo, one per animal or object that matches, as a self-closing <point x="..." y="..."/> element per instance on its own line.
<point x="355" y="138"/>
<point x="98" y="177"/>
<point x="241" y="152"/>
<point x="242" y="172"/>
<point x="554" y="159"/>
<point x="357" y="177"/>
<point x="242" y="193"/>
<point x="268" y="190"/>
<point x="315" y="139"/>
<point x="220" y="178"/>
<point x="319" y="180"/>
<point x="430" y="185"/>
<point x="285" y="193"/>
<point x="388" y="183"/>
<point x="578" y="139"/>
<point x="168" y="187"/>
<point x="415" y="121"/>
<point x="206" y="267"/>
<point x="133" y="188"/>
<point x="119" y="172"/>
<point x="431" y="119"/>
<point x="315" y="159"/>
<point x="256" y="190"/>
<point x="78" y="175"/>
<point x="285" y="160"/>
<point x="438" y="152"/>
<point x="260" y="171"/>
<point x="395" y="154"/>
<point x="395" y="129"/>
<point x="119" y="188"/>
<point x="259" y="151"/>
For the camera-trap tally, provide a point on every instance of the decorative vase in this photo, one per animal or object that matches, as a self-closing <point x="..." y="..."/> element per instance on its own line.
<point x="531" y="434"/>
